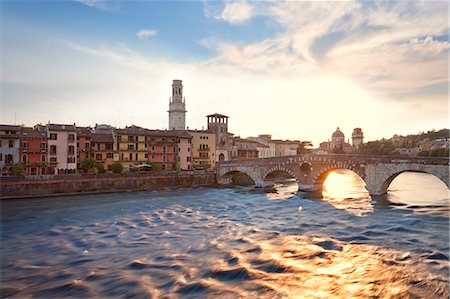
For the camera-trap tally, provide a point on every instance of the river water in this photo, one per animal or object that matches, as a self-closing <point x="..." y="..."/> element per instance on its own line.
<point x="236" y="242"/>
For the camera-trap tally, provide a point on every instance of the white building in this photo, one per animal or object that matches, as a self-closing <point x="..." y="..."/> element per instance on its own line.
<point x="177" y="107"/>
<point x="62" y="147"/>
<point x="9" y="147"/>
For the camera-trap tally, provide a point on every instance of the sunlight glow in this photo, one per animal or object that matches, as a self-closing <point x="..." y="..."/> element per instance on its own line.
<point x="344" y="189"/>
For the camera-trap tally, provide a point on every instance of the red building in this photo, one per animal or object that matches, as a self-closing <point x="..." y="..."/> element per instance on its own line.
<point x="33" y="151"/>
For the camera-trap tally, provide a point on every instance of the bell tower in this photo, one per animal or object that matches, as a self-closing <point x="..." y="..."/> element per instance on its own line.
<point x="177" y="107"/>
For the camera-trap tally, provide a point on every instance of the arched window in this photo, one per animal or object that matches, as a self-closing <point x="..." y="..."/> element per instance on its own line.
<point x="43" y="159"/>
<point x="24" y="158"/>
<point x="11" y="143"/>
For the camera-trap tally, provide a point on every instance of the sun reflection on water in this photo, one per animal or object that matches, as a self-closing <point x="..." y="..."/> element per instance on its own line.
<point x="345" y="190"/>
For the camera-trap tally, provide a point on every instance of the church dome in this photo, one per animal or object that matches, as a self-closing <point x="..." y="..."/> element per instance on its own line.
<point x="338" y="133"/>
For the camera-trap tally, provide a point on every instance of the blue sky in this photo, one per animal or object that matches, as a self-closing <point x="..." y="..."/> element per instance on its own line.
<point x="293" y="69"/>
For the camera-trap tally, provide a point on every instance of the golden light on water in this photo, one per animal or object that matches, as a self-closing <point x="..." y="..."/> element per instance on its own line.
<point x="344" y="189"/>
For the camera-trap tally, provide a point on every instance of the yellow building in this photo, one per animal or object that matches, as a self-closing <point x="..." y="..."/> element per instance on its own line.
<point x="203" y="149"/>
<point x="130" y="146"/>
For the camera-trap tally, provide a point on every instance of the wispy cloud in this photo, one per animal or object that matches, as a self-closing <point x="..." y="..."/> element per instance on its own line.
<point x="106" y="5"/>
<point x="236" y="12"/>
<point x="144" y="33"/>
<point x="390" y="48"/>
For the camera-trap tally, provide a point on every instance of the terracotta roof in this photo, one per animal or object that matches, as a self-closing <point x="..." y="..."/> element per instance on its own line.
<point x="102" y="137"/>
<point x="9" y="128"/>
<point x="29" y="133"/>
<point x="61" y="127"/>
<point x="84" y="131"/>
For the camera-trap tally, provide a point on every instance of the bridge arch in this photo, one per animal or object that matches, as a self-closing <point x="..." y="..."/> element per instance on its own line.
<point x="322" y="174"/>
<point x="379" y="183"/>
<point x="238" y="177"/>
<point x="387" y="182"/>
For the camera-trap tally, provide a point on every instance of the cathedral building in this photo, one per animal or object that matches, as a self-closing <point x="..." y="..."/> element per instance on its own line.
<point x="338" y="144"/>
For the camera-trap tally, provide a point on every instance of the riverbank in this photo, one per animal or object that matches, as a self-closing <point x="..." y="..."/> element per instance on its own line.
<point x="78" y="184"/>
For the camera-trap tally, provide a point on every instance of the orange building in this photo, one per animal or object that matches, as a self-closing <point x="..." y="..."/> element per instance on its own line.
<point x="33" y="151"/>
<point x="164" y="148"/>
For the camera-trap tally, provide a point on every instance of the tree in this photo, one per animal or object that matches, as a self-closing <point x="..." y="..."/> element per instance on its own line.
<point x="100" y="167"/>
<point x="87" y="164"/>
<point x="117" y="167"/>
<point x="18" y="169"/>
<point x="304" y="147"/>
<point x="155" y="166"/>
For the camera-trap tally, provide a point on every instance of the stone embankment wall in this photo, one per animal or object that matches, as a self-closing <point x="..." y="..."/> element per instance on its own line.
<point x="16" y="188"/>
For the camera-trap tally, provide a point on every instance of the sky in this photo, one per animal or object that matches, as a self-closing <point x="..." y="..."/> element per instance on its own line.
<point x="296" y="70"/>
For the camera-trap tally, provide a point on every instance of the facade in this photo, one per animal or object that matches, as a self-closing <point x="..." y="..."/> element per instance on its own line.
<point x="163" y="147"/>
<point x="130" y="146"/>
<point x="218" y="124"/>
<point x="102" y="148"/>
<point x="245" y="148"/>
<point x="84" y="136"/>
<point x="62" y="147"/>
<point x="34" y="150"/>
<point x="185" y="151"/>
<point x="285" y="148"/>
<point x="177" y="107"/>
<point x="9" y="147"/>
<point x="203" y="148"/>
<point x="268" y="148"/>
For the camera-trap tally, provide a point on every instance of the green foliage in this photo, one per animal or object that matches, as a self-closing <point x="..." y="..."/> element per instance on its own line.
<point x="134" y="169"/>
<point x="87" y="164"/>
<point x="304" y="147"/>
<point x="117" y="167"/>
<point x="155" y="166"/>
<point x="18" y="169"/>
<point x="100" y="167"/>
<point x="94" y="170"/>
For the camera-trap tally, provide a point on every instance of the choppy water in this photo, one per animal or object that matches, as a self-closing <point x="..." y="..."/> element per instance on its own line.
<point x="229" y="243"/>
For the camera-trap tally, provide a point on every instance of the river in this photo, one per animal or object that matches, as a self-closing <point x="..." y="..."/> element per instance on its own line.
<point x="231" y="242"/>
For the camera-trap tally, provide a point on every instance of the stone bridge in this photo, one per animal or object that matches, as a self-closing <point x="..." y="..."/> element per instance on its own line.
<point x="311" y="170"/>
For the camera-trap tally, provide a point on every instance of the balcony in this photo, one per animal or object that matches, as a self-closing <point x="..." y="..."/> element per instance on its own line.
<point x="205" y="149"/>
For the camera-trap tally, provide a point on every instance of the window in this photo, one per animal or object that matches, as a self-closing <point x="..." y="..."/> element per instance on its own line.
<point x="109" y="146"/>
<point x="130" y="146"/>
<point x="189" y="149"/>
<point x="72" y="137"/>
<point x="188" y="159"/>
<point x="1" y="156"/>
<point x="43" y="158"/>
<point x="53" y="159"/>
<point x="164" y="149"/>
<point x="70" y="159"/>
<point x="153" y="157"/>
<point x="174" y="149"/>
<point x="136" y="155"/>
<point x="52" y="149"/>
<point x="153" y="148"/>
<point x="43" y="146"/>
<point x="146" y="156"/>
<point x="131" y="156"/>
<point x="98" y="157"/>
<point x="53" y="136"/>
<point x="11" y="143"/>
<point x="24" y="158"/>
<point x="25" y="145"/>
<point x="71" y="150"/>
<point x="109" y="155"/>
<point x="164" y="158"/>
